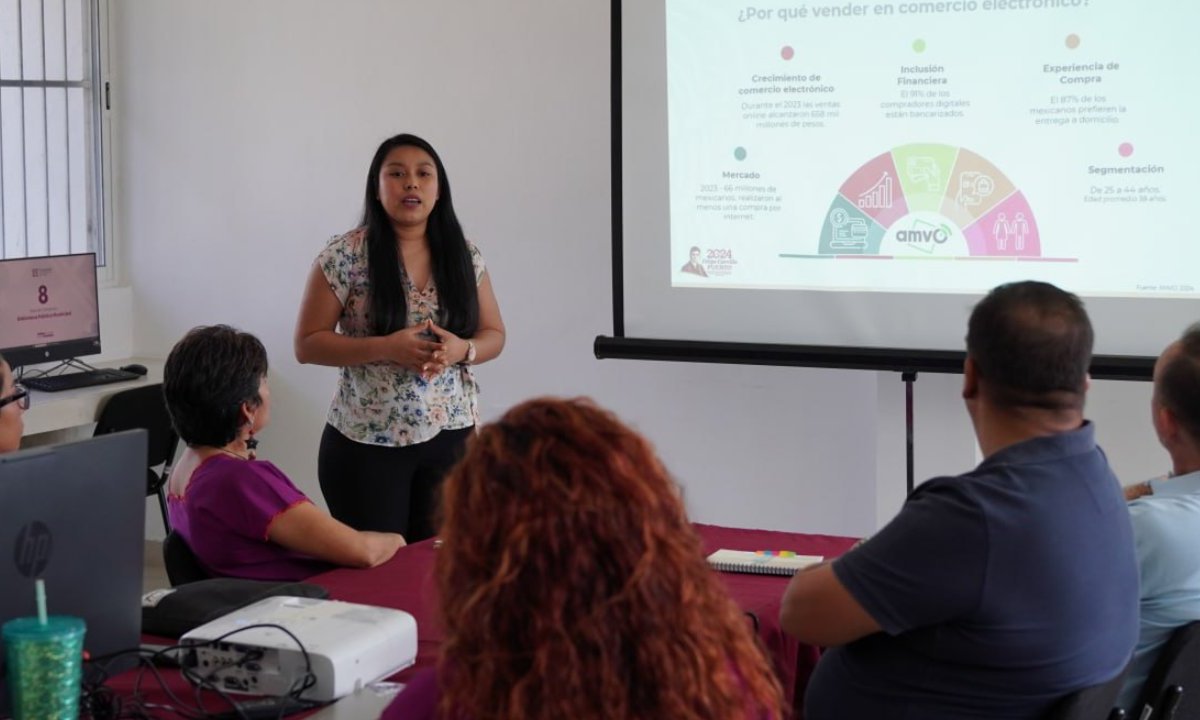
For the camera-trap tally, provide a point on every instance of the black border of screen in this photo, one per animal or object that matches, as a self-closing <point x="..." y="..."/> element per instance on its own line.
<point x="617" y="346"/>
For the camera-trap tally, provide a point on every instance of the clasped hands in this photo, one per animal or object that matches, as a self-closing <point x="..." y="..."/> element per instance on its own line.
<point x="426" y="349"/>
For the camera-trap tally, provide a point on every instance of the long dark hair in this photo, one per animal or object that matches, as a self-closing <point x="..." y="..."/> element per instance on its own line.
<point x="453" y="272"/>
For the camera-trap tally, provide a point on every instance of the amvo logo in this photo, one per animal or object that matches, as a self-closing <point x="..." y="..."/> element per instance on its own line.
<point x="937" y="235"/>
<point x="924" y="236"/>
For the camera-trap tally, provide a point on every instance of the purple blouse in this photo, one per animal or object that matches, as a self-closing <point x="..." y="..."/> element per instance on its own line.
<point x="225" y="513"/>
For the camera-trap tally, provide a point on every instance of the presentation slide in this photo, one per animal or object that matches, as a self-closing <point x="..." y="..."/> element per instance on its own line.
<point x="933" y="147"/>
<point x="859" y="174"/>
<point x="48" y="300"/>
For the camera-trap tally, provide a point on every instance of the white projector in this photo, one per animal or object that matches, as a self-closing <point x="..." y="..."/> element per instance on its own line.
<point x="348" y="646"/>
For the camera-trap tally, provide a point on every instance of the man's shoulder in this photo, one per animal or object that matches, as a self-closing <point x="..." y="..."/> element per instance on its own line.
<point x="1072" y="454"/>
<point x="1152" y="512"/>
<point x="995" y="487"/>
<point x="945" y="496"/>
<point x="967" y="485"/>
<point x="1185" y="484"/>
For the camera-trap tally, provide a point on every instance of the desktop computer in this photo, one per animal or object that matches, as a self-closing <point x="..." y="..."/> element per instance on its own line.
<point x="49" y="308"/>
<point x="50" y="311"/>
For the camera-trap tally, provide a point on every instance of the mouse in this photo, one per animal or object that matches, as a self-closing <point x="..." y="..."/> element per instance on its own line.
<point x="135" y="368"/>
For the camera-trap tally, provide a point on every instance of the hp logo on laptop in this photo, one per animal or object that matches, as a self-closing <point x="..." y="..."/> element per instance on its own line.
<point x="31" y="552"/>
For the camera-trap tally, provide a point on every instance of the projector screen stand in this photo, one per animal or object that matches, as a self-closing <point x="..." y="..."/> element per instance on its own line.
<point x="909" y="377"/>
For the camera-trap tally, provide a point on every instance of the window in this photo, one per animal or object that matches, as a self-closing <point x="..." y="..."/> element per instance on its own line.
<point x="52" y="150"/>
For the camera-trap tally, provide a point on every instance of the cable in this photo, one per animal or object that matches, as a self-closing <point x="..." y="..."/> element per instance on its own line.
<point x="100" y="702"/>
<point x="103" y="702"/>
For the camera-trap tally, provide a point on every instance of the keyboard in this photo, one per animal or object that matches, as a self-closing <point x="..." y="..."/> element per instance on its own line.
<point x="70" y="381"/>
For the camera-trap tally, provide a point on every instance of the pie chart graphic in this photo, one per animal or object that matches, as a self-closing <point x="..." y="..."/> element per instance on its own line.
<point x="930" y="200"/>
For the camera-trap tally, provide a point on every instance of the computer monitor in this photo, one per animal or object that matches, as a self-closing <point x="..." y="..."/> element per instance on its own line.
<point x="74" y="515"/>
<point x="49" y="308"/>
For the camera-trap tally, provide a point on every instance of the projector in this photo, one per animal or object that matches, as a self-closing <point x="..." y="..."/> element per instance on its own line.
<point x="348" y="646"/>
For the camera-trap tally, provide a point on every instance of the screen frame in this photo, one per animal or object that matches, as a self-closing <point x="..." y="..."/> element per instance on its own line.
<point x="64" y="349"/>
<point x="619" y="346"/>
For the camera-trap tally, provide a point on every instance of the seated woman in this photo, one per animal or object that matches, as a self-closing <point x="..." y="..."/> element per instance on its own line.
<point x="243" y="517"/>
<point x="14" y="399"/>
<point x="573" y="586"/>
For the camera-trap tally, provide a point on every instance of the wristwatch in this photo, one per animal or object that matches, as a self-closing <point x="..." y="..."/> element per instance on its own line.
<point x="470" y="358"/>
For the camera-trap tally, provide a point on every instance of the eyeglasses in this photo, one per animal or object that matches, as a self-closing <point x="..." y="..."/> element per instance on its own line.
<point x="20" y="396"/>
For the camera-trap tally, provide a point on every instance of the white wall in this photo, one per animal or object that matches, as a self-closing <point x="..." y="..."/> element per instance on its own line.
<point x="244" y="130"/>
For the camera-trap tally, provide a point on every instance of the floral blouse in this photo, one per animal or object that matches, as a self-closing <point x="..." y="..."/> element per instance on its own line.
<point x="381" y="403"/>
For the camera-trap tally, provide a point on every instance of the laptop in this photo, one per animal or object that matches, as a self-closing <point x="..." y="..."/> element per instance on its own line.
<point x="74" y="515"/>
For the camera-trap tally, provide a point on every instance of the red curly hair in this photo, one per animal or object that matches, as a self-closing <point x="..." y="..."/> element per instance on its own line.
<point x="573" y="585"/>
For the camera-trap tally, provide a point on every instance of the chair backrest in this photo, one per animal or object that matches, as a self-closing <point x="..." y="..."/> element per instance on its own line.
<point x="1177" y="666"/>
<point x="1091" y="703"/>
<point x="142" y="407"/>
<point x="181" y="563"/>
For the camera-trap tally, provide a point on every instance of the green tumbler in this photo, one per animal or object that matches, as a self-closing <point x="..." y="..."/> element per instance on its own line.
<point x="45" y="665"/>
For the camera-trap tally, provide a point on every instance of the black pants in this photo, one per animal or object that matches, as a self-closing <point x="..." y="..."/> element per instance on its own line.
<point x="389" y="489"/>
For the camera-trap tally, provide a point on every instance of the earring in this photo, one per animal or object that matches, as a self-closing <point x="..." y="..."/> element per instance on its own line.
<point x="251" y="441"/>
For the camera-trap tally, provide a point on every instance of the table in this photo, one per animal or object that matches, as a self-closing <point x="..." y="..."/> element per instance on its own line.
<point x="51" y="411"/>
<point x="406" y="582"/>
<point x="762" y="596"/>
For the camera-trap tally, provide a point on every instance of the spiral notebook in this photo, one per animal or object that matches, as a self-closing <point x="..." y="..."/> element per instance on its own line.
<point x="761" y="562"/>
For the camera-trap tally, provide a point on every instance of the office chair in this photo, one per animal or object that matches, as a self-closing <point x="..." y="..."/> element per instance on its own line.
<point x="1091" y="703"/>
<point x="144" y="407"/>
<point x="181" y="563"/>
<point x="1172" y="689"/>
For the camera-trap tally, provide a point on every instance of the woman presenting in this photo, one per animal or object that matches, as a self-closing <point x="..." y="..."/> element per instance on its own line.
<point x="404" y="306"/>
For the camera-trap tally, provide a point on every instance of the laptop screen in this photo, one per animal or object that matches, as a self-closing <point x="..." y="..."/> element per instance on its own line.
<point x="74" y="515"/>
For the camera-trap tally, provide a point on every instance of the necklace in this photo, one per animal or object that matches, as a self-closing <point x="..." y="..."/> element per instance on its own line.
<point x="239" y="456"/>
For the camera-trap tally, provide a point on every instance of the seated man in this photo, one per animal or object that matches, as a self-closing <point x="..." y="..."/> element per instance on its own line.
<point x="1166" y="520"/>
<point x="994" y="593"/>
<point x="13" y="401"/>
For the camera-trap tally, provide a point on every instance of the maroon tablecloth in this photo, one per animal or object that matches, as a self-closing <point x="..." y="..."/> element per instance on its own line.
<point x="761" y="595"/>
<point x="406" y="583"/>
